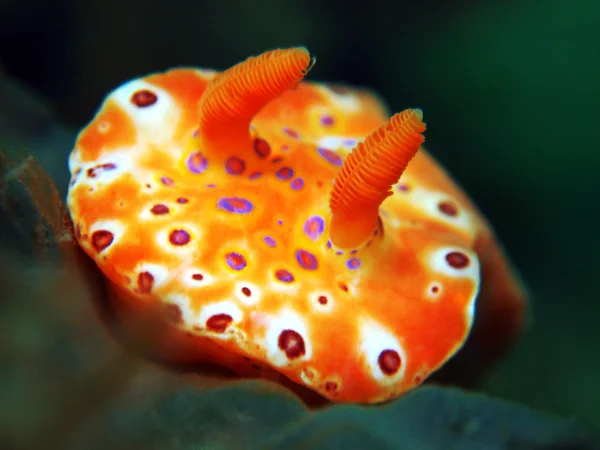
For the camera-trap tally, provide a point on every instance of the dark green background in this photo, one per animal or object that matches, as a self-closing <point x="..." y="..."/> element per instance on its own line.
<point x="511" y="96"/>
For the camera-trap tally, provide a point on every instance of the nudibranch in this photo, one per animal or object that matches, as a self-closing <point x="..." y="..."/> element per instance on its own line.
<point x="287" y="229"/>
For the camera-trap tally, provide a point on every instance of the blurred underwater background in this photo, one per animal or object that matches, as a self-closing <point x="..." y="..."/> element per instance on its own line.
<point x="511" y="96"/>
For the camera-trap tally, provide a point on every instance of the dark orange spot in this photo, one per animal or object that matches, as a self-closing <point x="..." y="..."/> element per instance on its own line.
<point x="143" y="98"/>
<point x="198" y="276"/>
<point x="101" y="239"/>
<point x="145" y="282"/>
<point x="291" y="343"/>
<point x="322" y="300"/>
<point x="235" y="165"/>
<point x="389" y="361"/>
<point x="246" y="291"/>
<point x="219" y="322"/>
<point x="448" y="208"/>
<point x="262" y="148"/>
<point x="343" y="286"/>
<point x="457" y="260"/>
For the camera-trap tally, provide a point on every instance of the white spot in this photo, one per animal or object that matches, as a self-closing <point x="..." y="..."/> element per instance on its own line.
<point x="310" y="376"/>
<point x="433" y="291"/>
<point x="223" y="307"/>
<point x="205" y="72"/>
<point x="347" y="101"/>
<point x="253" y="298"/>
<point x="281" y="287"/>
<point x="375" y="339"/>
<point x="103" y="127"/>
<point x="392" y="222"/>
<point x="148" y="181"/>
<point x="285" y="320"/>
<point x="332" y="142"/>
<point x="317" y="305"/>
<point x="184" y="304"/>
<point x="176" y="153"/>
<point x="429" y="201"/>
<point x="159" y="273"/>
<point x="187" y="277"/>
<point x="74" y="160"/>
<point x="75" y="177"/>
<point x="438" y="263"/>
<point x="155" y="122"/>
<point x="121" y="158"/>
<point x="353" y="285"/>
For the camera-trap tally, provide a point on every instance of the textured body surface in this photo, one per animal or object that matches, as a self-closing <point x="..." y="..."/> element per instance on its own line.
<point x="234" y="245"/>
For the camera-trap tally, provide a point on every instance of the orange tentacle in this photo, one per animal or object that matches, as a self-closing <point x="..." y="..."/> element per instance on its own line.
<point x="367" y="175"/>
<point x="232" y="99"/>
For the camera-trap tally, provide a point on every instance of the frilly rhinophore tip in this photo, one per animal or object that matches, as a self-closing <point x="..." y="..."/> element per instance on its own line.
<point x="367" y="175"/>
<point x="232" y="99"/>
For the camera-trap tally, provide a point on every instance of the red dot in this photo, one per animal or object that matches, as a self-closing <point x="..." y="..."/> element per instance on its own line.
<point x="291" y="343"/>
<point x="179" y="237"/>
<point x="219" y="322"/>
<point x="235" y="165"/>
<point x="389" y="361"/>
<point x="159" y="209"/>
<point x="448" y="208"/>
<point x="101" y="239"/>
<point x="143" y="98"/>
<point x="262" y="148"/>
<point x="457" y="260"/>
